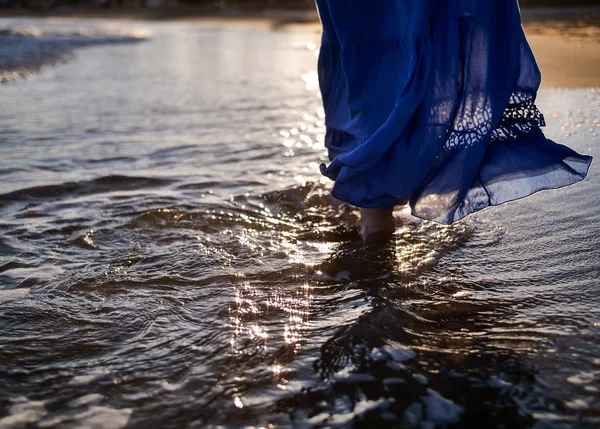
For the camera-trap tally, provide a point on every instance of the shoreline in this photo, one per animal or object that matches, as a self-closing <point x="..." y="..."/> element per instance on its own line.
<point x="565" y="41"/>
<point x="580" y="21"/>
<point x="581" y="15"/>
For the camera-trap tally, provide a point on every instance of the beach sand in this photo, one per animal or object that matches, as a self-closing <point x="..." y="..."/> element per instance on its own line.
<point x="567" y="50"/>
<point x="567" y="62"/>
<point x="566" y="47"/>
<point x="565" y="41"/>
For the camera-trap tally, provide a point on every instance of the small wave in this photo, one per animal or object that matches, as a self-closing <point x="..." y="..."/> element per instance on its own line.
<point x="79" y="36"/>
<point x="26" y="50"/>
<point x="13" y="294"/>
<point x="111" y="160"/>
<point x="212" y="184"/>
<point x="85" y="187"/>
<point x="24" y="412"/>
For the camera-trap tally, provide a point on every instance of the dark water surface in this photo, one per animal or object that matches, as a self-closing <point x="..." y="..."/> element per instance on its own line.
<point x="170" y="257"/>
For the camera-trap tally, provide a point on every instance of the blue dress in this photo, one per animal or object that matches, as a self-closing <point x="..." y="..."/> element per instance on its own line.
<point x="431" y="103"/>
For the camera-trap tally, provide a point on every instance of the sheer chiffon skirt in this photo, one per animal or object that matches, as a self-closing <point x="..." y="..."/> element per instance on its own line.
<point x="431" y="103"/>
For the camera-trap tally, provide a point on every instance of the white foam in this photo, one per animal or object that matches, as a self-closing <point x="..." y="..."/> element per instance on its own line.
<point x="79" y="380"/>
<point x="427" y="262"/>
<point x="398" y="352"/>
<point x="345" y="418"/>
<point x="378" y="355"/>
<point x="413" y="414"/>
<point x="342" y="275"/>
<point x="23" y="412"/>
<point x="340" y="420"/>
<point x="584" y="377"/>
<point x="440" y="410"/>
<point x="318" y="419"/>
<point x="91" y="399"/>
<point x="421" y="378"/>
<point x="103" y="33"/>
<point x="50" y="422"/>
<point x="364" y="406"/>
<point x="346" y="374"/>
<point x="170" y="387"/>
<point x="45" y="272"/>
<point x="28" y="49"/>
<point x="103" y="418"/>
<point x="549" y="419"/>
<point x="13" y="294"/>
<point x="496" y="383"/>
<point x="577" y="404"/>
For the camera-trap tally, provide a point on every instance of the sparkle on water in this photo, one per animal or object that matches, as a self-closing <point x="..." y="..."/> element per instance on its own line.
<point x="170" y="256"/>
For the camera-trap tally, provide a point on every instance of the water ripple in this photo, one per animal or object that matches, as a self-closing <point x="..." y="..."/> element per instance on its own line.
<point x="170" y="256"/>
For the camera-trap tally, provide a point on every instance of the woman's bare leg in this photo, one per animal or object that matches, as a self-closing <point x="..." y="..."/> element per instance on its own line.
<point x="376" y="224"/>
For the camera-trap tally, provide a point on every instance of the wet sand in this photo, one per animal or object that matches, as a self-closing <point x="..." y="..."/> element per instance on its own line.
<point x="567" y="62"/>
<point x="566" y="45"/>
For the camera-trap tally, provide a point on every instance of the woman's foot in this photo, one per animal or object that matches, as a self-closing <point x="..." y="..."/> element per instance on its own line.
<point x="376" y="224"/>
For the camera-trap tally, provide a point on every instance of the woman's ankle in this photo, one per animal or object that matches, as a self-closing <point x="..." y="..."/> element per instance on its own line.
<point x="376" y="224"/>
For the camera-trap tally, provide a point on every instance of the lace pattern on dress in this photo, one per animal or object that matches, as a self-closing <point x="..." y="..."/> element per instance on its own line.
<point x="520" y="117"/>
<point x="468" y="129"/>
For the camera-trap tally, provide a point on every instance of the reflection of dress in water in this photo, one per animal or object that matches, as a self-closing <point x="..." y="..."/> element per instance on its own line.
<point x="431" y="102"/>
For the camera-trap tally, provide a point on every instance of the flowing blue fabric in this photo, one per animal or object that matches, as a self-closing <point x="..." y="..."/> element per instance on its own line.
<point x="431" y="103"/>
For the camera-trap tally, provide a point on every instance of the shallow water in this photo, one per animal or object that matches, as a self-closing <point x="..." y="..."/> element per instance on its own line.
<point x="170" y="256"/>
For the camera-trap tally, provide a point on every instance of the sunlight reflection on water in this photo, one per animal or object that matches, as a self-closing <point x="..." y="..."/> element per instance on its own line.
<point x="169" y="246"/>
